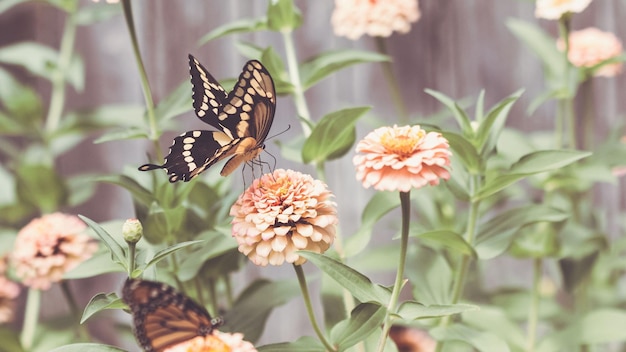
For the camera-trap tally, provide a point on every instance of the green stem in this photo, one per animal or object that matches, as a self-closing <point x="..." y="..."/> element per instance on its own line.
<point x="31" y="315"/>
<point x="132" y="247"/>
<point x="145" y="85"/>
<point x="83" y="333"/>
<point x="588" y="125"/>
<point x="405" y="204"/>
<point x="229" y="289"/>
<point x="309" y="307"/>
<point x="533" y="314"/>
<point x="461" y="273"/>
<point x="567" y="104"/>
<point x="394" y="87"/>
<point x="298" y="90"/>
<point x="58" y="77"/>
<point x="321" y="171"/>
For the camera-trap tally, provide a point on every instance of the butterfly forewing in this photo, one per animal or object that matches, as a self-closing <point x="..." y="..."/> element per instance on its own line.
<point x="244" y="117"/>
<point x="163" y="316"/>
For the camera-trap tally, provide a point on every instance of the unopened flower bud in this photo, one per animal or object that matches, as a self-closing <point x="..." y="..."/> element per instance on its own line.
<point x="132" y="230"/>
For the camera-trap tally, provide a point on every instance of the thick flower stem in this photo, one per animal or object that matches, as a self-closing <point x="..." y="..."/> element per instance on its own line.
<point x="461" y="273"/>
<point x="31" y="315"/>
<point x="131" y="257"/>
<point x="405" y="205"/>
<point x="566" y="105"/>
<point x="58" y="77"/>
<point x="298" y="90"/>
<point x="145" y="85"/>
<point x="533" y="314"/>
<point x="309" y="307"/>
<point x="74" y="310"/>
<point x="394" y="87"/>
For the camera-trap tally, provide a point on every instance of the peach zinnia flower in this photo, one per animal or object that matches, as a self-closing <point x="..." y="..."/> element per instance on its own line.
<point x="216" y="342"/>
<point x="554" y="9"/>
<point x="8" y="292"/>
<point x="590" y="46"/>
<point x="48" y="247"/>
<point x="412" y="339"/>
<point x="281" y="213"/>
<point x="376" y="18"/>
<point x="401" y="158"/>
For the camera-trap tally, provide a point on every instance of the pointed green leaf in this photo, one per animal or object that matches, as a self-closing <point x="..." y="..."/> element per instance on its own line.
<point x="100" y="263"/>
<point x="176" y="103"/>
<point x="411" y="310"/>
<point x="459" y="114"/>
<point x="160" y="255"/>
<point x="491" y="126"/>
<point x="100" y="302"/>
<point x="303" y="344"/>
<point x="98" y="12"/>
<point x="283" y="16"/>
<point x="358" y="284"/>
<point x="364" y="319"/>
<point x="448" y="239"/>
<point x="484" y="341"/>
<point x="317" y="68"/>
<point x="91" y="347"/>
<point x="546" y="160"/>
<point x="138" y="192"/>
<point x="498" y="321"/>
<point x="333" y="136"/>
<point x="465" y="151"/>
<point x="118" y="254"/>
<point x="245" y="25"/>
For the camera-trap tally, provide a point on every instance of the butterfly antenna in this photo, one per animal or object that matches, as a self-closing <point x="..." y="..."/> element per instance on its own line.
<point x="279" y="133"/>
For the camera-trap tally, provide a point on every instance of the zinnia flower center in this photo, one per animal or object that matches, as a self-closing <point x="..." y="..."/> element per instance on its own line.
<point x="401" y="145"/>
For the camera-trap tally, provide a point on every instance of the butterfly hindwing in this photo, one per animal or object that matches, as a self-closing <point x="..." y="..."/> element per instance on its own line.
<point x="243" y="117"/>
<point x="162" y="316"/>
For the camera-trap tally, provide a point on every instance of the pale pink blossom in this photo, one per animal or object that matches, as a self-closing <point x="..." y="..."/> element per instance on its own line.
<point x="108" y="1"/>
<point x="619" y="171"/>
<point x="48" y="247"/>
<point x="8" y="292"/>
<point x="412" y="339"/>
<point x="401" y="158"/>
<point x="590" y="46"/>
<point x="554" y="9"/>
<point x="281" y="213"/>
<point x="376" y="18"/>
<point x="216" y="342"/>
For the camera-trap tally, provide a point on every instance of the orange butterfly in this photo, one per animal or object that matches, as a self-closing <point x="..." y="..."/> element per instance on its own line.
<point x="163" y="316"/>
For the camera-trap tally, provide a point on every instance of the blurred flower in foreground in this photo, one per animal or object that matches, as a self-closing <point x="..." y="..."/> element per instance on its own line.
<point x="401" y="158"/>
<point x="376" y="18"/>
<point x="108" y="1"/>
<point x="48" y="247"/>
<point x="590" y="46"/>
<point x="216" y="342"/>
<point x="409" y="339"/>
<point x="554" y="9"/>
<point x="281" y="213"/>
<point x="8" y="292"/>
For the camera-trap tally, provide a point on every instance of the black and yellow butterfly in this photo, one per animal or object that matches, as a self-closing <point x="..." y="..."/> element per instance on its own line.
<point x="163" y="317"/>
<point x="243" y="118"/>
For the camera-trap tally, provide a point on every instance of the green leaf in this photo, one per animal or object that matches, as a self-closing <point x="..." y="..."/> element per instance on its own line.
<point x="358" y="284"/>
<point x="283" y="16"/>
<point x="160" y="255"/>
<point x="10" y="339"/>
<point x="100" y="302"/>
<point x="176" y="103"/>
<point x="459" y="114"/>
<point x="497" y="321"/>
<point x="433" y="273"/>
<point x="491" y="126"/>
<point x="411" y="310"/>
<point x="448" y="239"/>
<point x="246" y="25"/>
<point x="380" y="204"/>
<point x="496" y="235"/>
<point x="364" y="319"/>
<point x="303" y="344"/>
<point x="465" y="151"/>
<point x="91" y="347"/>
<point x="100" y="263"/>
<point x="88" y="15"/>
<point x="485" y="341"/>
<point x="546" y="160"/>
<point x="315" y="69"/>
<point x="138" y="192"/>
<point x="274" y="64"/>
<point x="253" y="306"/>
<point x="118" y="254"/>
<point x="22" y="103"/>
<point x="217" y="245"/>
<point x="41" y="186"/>
<point x="122" y="135"/>
<point x="333" y="136"/>
<point x="7" y="4"/>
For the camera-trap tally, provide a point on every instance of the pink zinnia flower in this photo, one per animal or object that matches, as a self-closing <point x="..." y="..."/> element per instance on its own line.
<point x="412" y="339"/>
<point x="401" y="158"/>
<point x="8" y="292"/>
<point x="216" y="342"/>
<point x="281" y="213"/>
<point x="590" y="46"/>
<point x="376" y="18"/>
<point x="554" y="9"/>
<point x="48" y="247"/>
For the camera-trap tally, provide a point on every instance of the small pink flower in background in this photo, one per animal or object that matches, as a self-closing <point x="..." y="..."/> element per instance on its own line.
<point x="376" y="18"/>
<point x="281" y="213"/>
<point x="8" y="292"/>
<point x="619" y="171"/>
<point x="401" y="158"/>
<point x="216" y="342"/>
<point x="48" y="247"/>
<point x="554" y="9"/>
<point x="412" y="339"/>
<point x="108" y="1"/>
<point x="590" y="46"/>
